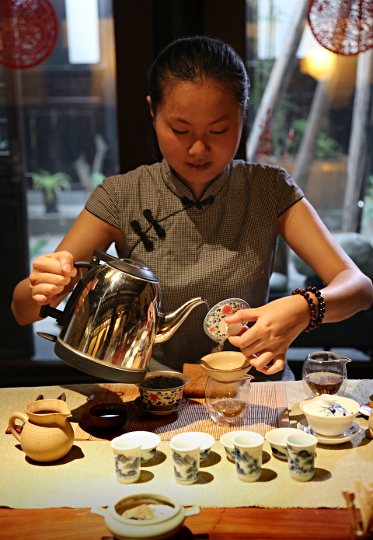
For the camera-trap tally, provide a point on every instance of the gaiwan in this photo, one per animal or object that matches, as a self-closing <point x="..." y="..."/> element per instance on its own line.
<point x="164" y="389"/>
<point x="330" y="415"/>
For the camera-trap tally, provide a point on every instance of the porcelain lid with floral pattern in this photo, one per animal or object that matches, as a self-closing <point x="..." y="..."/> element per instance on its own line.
<point x="328" y="406"/>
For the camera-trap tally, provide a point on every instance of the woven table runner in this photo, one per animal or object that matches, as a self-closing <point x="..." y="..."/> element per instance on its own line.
<point x="85" y="477"/>
<point x="268" y="410"/>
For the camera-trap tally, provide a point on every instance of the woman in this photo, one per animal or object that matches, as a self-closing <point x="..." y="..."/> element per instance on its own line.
<point x="206" y="224"/>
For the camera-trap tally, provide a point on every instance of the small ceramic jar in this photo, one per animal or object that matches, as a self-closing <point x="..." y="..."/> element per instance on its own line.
<point x="168" y="520"/>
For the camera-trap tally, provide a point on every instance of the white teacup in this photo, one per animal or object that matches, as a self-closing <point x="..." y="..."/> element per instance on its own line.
<point x="198" y="438"/>
<point x="186" y="458"/>
<point x="301" y="449"/>
<point x="248" y="456"/>
<point x="127" y="456"/>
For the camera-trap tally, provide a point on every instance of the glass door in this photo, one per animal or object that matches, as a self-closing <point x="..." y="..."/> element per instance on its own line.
<point x="66" y="105"/>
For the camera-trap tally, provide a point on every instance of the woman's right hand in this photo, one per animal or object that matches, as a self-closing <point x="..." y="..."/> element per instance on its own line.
<point x="51" y="276"/>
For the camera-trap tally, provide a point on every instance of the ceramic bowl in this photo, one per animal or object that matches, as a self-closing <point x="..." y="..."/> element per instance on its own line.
<point x="149" y="442"/>
<point x="168" y="521"/>
<point x="204" y="439"/>
<point x="227" y="441"/>
<point x="226" y="365"/>
<point x="108" y="415"/>
<point x="329" y="415"/>
<point x="162" y="390"/>
<point x="277" y="441"/>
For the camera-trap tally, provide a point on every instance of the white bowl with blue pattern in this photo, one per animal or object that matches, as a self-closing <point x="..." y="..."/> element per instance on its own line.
<point x="162" y="390"/>
<point x="330" y="415"/>
<point x="277" y="441"/>
<point x="227" y="441"/>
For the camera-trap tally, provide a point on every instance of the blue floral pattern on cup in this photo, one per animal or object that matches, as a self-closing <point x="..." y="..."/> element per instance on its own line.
<point x="333" y="410"/>
<point x="301" y="462"/>
<point x="126" y="467"/>
<point x="246" y="464"/>
<point x="230" y="453"/>
<point x="147" y="455"/>
<point x="185" y="467"/>
<point x="204" y="454"/>
<point x="278" y="453"/>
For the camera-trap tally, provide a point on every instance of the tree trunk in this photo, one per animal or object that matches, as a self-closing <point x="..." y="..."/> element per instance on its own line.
<point x="307" y="147"/>
<point x="359" y="149"/>
<point x="278" y="79"/>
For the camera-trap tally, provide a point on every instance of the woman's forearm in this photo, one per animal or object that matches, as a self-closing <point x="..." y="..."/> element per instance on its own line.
<point x="24" y="308"/>
<point x="349" y="292"/>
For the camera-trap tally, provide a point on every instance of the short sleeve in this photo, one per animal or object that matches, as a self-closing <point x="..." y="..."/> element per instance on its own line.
<point x="103" y="202"/>
<point x="286" y="191"/>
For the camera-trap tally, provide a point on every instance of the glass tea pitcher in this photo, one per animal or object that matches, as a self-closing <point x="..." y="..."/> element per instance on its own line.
<point x="325" y="372"/>
<point x="226" y="401"/>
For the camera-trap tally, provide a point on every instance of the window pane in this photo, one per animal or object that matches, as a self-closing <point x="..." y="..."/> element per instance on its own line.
<point x="67" y="108"/>
<point x="307" y="123"/>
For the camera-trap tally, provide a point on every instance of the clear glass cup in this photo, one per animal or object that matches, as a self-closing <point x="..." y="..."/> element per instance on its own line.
<point x="227" y="401"/>
<point x="325" y="372"/>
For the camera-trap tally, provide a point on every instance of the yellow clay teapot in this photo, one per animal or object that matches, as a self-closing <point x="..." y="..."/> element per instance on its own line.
<point x="47" y="435"/>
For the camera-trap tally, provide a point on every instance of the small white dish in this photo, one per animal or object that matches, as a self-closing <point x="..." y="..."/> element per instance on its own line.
<point x="214" y="324"/>
<point x="139" y="403"/>
<point x="347" y="436"/>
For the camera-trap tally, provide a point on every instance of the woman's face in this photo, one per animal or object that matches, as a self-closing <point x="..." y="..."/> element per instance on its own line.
<point x="198" y="127"/>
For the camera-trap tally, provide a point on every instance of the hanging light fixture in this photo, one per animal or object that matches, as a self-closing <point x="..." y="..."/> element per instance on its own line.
<point x="342" y="26"/>
<point x="28" y="32"/>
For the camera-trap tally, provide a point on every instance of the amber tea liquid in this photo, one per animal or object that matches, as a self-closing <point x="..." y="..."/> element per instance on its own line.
<point x="323" y="382"/>
<point x="229" y="407"/>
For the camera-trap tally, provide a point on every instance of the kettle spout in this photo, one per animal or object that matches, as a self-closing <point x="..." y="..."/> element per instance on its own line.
<point x="170" y="322"/>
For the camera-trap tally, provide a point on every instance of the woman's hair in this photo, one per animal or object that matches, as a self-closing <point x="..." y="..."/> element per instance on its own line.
<point x="194" y="59"/>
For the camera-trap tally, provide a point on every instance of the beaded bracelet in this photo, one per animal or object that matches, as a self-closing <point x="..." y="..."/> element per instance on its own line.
<point x="315" y="319"/>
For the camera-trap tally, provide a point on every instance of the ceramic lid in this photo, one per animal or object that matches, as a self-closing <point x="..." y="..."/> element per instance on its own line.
<point x="330" y="406"/>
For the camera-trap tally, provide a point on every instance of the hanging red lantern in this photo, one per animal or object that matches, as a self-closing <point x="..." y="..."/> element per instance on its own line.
<point x="342" y="26"/>
<point x="28" y="32"/>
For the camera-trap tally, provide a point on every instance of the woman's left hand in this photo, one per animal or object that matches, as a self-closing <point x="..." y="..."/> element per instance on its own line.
<point x="276" y="326"/>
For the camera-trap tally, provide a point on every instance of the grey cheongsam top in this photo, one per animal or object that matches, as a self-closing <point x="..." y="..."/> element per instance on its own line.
<point x="225" y="249"/>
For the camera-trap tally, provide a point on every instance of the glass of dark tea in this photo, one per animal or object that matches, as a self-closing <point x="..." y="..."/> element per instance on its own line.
<point x="325" y="372"/>
<point x="227" y="402"/>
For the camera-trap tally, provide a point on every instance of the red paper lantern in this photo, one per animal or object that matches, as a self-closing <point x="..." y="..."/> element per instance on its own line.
<point x="28" y="32"/>
<point x="342" y="26"/>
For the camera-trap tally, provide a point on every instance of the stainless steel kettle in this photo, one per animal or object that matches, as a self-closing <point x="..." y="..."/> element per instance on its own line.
<point x="112" y="319"/>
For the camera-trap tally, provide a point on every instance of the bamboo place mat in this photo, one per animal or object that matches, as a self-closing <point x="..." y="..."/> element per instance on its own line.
<point x="268" y="410"/>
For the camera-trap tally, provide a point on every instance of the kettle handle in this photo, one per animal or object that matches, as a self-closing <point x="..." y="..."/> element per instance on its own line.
<point x="49" y="311"/>
<point x="99" y="255"/>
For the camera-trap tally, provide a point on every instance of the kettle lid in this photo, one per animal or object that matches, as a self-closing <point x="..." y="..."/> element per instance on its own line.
<point x="134" y="268"/>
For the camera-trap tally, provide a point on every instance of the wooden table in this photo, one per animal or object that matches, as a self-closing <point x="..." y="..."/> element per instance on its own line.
<point x="210" y="523"/>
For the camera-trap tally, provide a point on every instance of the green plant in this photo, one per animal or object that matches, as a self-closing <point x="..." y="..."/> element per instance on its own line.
<point x="326" y="147"/>
<point x="97" y="178"/>
<point x="51" y="184"/>
<point x="369" y="187"/>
